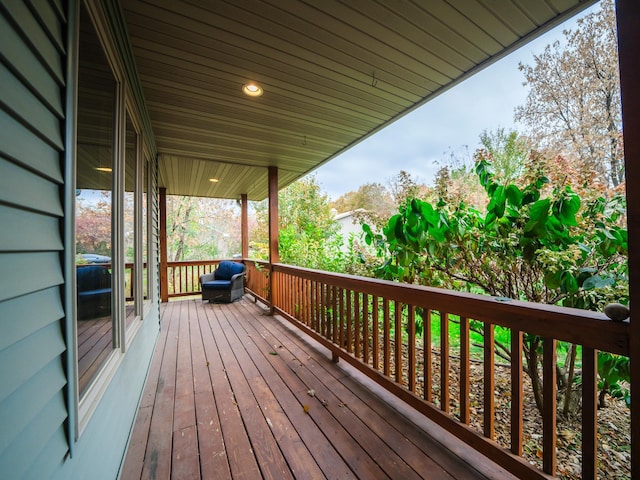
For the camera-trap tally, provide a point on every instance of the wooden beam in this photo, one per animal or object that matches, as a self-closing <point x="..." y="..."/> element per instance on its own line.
<point x="628" y="15"/>
<point x="164" y="283"/>
<point x="274" y="255"/>
<point x="245" y="225"/>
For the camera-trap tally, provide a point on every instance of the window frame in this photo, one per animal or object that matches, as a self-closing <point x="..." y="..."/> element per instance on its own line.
<point x="83" y="406"/>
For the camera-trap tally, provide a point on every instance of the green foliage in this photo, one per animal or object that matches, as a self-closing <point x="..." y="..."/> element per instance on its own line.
<point x="535" y="242"/>
<point x="528" y="245"/>
<point x="308" y="234"/>
<point x="615" y="374"/>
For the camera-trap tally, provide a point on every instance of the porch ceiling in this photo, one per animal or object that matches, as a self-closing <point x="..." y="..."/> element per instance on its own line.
<point x="333" y="73"/>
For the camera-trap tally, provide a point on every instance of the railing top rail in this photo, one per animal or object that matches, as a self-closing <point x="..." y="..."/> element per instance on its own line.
<point x="193" y="262"/>
<point x="583" y="327"/>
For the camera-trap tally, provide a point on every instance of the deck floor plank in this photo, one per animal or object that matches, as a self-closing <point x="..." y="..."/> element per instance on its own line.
<point x="138" y="444"/>
<point x="285" y="386"/>
<point x="213" y="454"/>
<point x="384" y="445"/>
<point x="335" y="437"/>
<point x="157" y="461"/>
<point x="242" y="461"/>
<point x="225" y="399"/>
<point x="272" y="463"/>
<point x="268" y="396"/>
<point x="382" y="420"/>
<point x="184" y="463"/>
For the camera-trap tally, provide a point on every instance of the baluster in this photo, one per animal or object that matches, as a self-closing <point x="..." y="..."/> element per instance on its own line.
<point x="549" y="460"/>
<point x="365" y="328"/>
<point x="334" y="318"/>
<point x="444" y="361"/>
<point x="411" y="333"/>
<point x="323" y="309"/>
<point x="426" y="345"/>
<point x="589" y="413"/>
<point x="349" y="320"/>
<point x="516" y="392"/>
<point x="398" y="339"/>
<point x="341" y="337"/>
<point x="386" y="334"/>
<point x="356" y="324"/>
<point x="464" y="370"/>
<point x="489" y="381"/>
<point x="375" y="330"/>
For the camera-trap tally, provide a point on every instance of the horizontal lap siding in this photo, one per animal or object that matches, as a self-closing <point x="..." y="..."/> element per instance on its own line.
<point x="32" y="378"/>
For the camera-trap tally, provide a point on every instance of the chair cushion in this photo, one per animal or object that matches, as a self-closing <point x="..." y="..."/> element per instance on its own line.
<point x="217" y="285"/>
<point x="93" y="277"/>
<point x="93" y="293"/>
<point x="227" y="269"/>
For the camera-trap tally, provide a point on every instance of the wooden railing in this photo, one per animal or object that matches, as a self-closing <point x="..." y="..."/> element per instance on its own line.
<point x="183" y="278"/>
<point x="374" y="325"/>
<point x="258" y="279"/>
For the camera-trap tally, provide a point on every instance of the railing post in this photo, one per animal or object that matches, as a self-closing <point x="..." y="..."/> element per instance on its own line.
<point x="244" y="227"/>
<point x="164" y="282"/>
<point x="272" y="290"/>
<point x="628" y="18"/>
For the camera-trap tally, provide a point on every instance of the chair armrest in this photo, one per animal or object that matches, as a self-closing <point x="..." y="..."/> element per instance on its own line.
<point x="238" y="277"/>
<point x="207" y="277"/>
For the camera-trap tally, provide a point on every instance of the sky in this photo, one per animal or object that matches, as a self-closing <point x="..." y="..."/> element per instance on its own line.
<point x="452" y="122"/>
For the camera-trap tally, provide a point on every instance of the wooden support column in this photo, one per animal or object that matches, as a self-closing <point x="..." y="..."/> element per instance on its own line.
<point x="628" y="14"/>
<point x="164" y="281"/>
<point x="274" y="255"/>
<point x="245" y="225"/>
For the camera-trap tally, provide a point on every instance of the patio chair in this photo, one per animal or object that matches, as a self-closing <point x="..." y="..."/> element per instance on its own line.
<point x="94" y="291"/>
<point x="225" y="284"/>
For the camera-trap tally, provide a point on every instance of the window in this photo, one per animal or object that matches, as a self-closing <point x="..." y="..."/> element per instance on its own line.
<point x="111" y="223"/>
<point x="130" y="204"/>
<point x="97" y="90"/>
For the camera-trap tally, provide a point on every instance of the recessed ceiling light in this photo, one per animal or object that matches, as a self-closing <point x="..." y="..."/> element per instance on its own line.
<point x="252" y="89"/>
<point x="214" y="180"/>
<point x="104" y="169"/>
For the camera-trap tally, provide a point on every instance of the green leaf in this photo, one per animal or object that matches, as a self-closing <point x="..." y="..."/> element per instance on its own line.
<point x="540" y="210"/>
<point x="538" y="216"/>
<point x="541" y="182"/>
<point x="514" y="195"/>
<point x="399" y="229"/>
<point x="566" y="208"/>
<point x="598" y="281"/>
<point x="568" y="283"/>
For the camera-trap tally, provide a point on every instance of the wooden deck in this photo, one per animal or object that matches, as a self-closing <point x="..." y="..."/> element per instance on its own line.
<point x="233" y="393"/>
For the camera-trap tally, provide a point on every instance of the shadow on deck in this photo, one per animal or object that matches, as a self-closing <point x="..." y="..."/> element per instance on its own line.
<point x="235" y="393"/>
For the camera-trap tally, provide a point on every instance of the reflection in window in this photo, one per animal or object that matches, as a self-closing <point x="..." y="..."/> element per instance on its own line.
<point x="131" y="156"/>
<point x="94" y="205"/>
<point x="145" y="233"/>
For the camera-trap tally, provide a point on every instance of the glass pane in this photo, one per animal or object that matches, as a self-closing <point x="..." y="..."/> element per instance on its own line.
<point x="131" y="157"/>
<point x="145" y="226"/>
<point x="94" y="206"/>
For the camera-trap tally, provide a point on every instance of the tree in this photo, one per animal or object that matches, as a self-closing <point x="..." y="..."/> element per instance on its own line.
<point x="507" y="151"/>
<point x="202" y="228"/>
<point x="307" y="233"/>
<point x="368" y="196"/>
<point x="93" y="222"/>
<point x="573" y="106"/>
